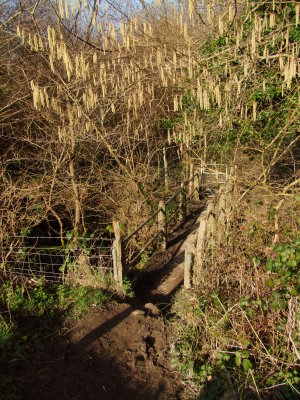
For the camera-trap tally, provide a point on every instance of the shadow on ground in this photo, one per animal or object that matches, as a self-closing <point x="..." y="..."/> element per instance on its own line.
<point x="162" y="263"/>
<point x="112" y="353"/>
<point x="120" y="352"/>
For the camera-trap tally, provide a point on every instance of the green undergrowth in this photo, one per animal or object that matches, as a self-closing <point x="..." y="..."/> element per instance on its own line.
<point x="29" y="315"/>
<point x="44" y="300"/>
<point x="247" y="346"/>
<point x="238" y="331"/>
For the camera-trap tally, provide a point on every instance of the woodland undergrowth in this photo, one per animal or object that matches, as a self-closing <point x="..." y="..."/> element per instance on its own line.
<point x="237" y="331"/>
<point x="99" y="101"/>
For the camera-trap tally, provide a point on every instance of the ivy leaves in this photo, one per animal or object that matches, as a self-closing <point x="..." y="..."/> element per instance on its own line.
<point x="285" y="274"/>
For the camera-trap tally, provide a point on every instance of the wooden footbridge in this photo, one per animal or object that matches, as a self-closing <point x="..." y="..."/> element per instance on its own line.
<point x="47" y="258"/>
<point x="203" y="182"/>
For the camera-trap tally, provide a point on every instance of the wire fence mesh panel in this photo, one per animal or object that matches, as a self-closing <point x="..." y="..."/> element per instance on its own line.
<point x="55" y="258"/>
<point x="215" y="173"/>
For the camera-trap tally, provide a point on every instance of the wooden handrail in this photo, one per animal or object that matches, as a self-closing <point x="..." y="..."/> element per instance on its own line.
<point x="179" y="190"/>
<point x="150" y="241"/>
<point x="162" y="222"/>
<point x="173" y="197"/>
<point x="193" y="177"/>
<point x="174" y="215"/>
<point x="216" y="173"/>
<point x="191" y="194"/>
<point x="127" y="238"/>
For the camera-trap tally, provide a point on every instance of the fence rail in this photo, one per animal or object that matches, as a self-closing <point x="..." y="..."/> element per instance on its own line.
<point x="212" y="229"/>
<point x="60" y="258"/>
<point x="161" y="220"/>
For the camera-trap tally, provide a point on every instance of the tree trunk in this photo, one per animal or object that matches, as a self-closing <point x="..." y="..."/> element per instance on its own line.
<point x="76" y="197"/>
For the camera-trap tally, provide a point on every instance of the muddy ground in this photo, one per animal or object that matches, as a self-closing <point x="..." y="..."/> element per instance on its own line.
<point x="119" y="352"/>
<point x="114" y="353"/>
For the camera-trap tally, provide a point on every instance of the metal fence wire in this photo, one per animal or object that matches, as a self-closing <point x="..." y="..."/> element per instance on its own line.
<point x="62" y="259"/>
<point x="45" y="257"/>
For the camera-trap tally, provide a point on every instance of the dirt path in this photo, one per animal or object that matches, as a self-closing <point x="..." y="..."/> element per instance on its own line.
<point x="163" y="275"/>
<point x="117" y="353"/>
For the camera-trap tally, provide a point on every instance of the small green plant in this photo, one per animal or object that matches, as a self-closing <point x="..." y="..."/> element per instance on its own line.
<point x="127" y="287"/>
<point x="143" y="260"/>
<point x="44" y="300"/>
<point x="25" y="232"/>
<point x="38" y="299"/>
<point x="77" y="300"/>
<point x="68" y="264"/>
<point x="170" y="209"/>
<point x="6" y="332"/>
<point x="12" y="297"/>
<point x="85" y="242"/>
<point x="284" y="281"/>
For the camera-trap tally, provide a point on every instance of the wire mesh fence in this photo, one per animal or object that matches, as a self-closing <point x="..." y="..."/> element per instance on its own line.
<point x="215" y="173"/>
<point x="56" y="259"/>
<point x="66" y="258"/>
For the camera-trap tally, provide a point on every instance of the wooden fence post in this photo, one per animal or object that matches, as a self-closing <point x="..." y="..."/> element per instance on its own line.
<point x="221" y="217"/>
<point x="211" y="232"/>
<point x="200" y="250"/>
<point x="182" y="203"/>
<point x="221" y="207"/>
<point x="197" y="186"/>
<point x="186" y="165"/>
<point x="166" y="170"/>
<point x="162" y="222"/>
<point x="117" y="259"/>
<point x="188" y="263"/>
<point x="201" y="175"/>
<point x="191" y="183"/>
<point x="115" y="263"/>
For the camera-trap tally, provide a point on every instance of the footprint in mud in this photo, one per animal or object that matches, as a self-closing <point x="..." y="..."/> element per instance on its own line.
<point x="150" y="349"/>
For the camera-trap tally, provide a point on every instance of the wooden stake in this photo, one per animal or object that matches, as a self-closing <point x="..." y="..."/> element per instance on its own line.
<point x="187" y="165"/>
<point x="197" y="186"/>
<point x="182" y="203"/>
<point x="117" y="245"/>
<point x="115" y="258"/>
<point x="221" y="217"/>
<point x="200" y="247"/>
<point x="162" y="223"/>
<point x="188" y="263"/>
<point x="191" y="183"/>
<point x="202" y="171"/>
<point x="166" y="170"/>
